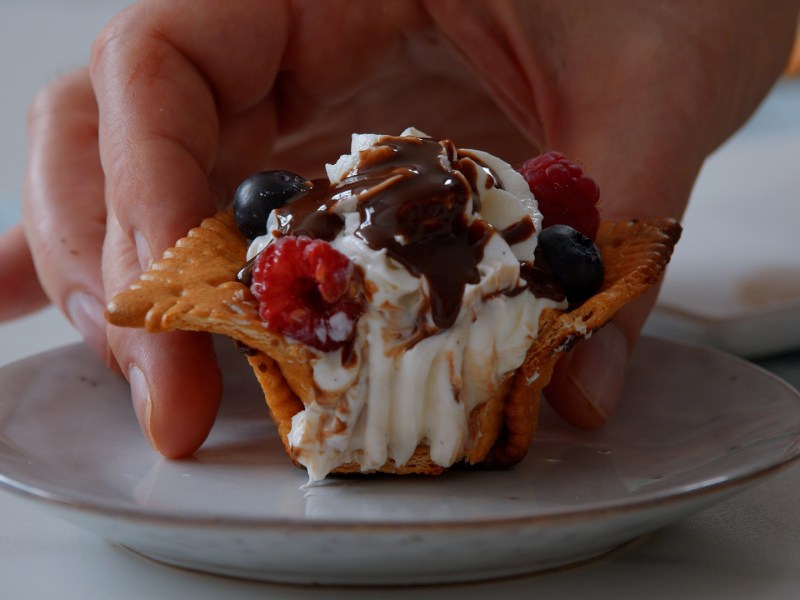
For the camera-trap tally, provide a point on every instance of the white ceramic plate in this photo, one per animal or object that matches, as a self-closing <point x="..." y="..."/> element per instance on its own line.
<point x="734" y="280"/>
<point x="694" y="427"/>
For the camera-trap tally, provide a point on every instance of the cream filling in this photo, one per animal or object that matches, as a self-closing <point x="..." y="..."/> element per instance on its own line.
<point x="423" y="395"/>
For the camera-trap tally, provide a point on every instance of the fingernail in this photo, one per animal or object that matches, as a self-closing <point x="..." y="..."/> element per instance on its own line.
<point x="142" y="401"/>
<point x="598" y="369"/>
<point x="85" y="312"/>
<point x="142" y="250"/>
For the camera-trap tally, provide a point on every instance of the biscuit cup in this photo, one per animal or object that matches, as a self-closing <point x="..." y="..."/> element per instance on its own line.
<point x="194" y="287"/>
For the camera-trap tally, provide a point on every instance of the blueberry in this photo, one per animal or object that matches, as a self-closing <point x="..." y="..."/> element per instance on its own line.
<point x="574" y="261"/>
<point x="259" y="194"/>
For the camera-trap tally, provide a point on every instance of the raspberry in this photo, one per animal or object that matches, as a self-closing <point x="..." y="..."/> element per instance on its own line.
<point x="565" y="195"/>
<point x="308" y="291"/>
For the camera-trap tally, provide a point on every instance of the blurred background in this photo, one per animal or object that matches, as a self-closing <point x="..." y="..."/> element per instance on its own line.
<point x="735" y="278"/>
<point x="734" y="281"/>
<point x="39" y="39"/>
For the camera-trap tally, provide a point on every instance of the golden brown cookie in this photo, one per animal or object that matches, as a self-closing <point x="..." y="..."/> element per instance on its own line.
<point x="194" y="287"/>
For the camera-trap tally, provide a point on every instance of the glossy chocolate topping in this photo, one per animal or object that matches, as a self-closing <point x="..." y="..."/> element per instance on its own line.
<point x="309" y="214"/>
<point x="519" y="231"/>
<point x="415" y="208"/>
<point x="413" y="200"/>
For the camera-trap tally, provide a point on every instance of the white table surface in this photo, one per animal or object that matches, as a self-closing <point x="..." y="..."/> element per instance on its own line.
<point x="747" y="547"/>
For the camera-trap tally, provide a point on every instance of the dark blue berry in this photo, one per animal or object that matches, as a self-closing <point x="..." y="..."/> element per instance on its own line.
<point x="574" y="261"/>
<point x="259" y="195"/>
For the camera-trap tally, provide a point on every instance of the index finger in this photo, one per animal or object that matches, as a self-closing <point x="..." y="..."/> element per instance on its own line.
<point x="165" y="75"/>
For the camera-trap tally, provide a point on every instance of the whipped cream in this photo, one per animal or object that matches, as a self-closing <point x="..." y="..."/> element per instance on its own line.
<point x="421" y="360"/>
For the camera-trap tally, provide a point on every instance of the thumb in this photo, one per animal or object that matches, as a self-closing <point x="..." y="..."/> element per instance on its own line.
<point x="587" y="381"/>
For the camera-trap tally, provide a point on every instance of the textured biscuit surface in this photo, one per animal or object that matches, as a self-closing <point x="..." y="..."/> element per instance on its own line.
<point x="194" y="287"/>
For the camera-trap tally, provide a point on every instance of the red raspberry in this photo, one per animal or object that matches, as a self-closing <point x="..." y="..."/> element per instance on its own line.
<point x="308" y="291"/>
<point x="565" y="195"/>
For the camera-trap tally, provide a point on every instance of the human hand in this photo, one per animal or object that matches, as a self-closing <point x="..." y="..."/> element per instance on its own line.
<point x="639" y="94"/>
<point x="190" y="98"/>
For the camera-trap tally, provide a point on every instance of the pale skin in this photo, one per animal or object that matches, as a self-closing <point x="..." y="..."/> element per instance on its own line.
<point x="183" y="99"/>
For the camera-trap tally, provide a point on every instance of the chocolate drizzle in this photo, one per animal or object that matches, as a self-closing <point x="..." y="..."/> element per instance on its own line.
<point x="415" y="207"/>
<point x="539" y="278"/>
<point x="414" y="196"/>
<point x="309" y="214"/>
<point x="519" y="231"/>
<point x="245" y="274"/>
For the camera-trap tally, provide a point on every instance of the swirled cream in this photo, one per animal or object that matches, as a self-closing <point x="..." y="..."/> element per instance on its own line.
<point x="445" y="239"/>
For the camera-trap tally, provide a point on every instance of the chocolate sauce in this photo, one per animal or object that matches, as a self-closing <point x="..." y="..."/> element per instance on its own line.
<point x="540" y="280"/>
<point x="415" y="208"/>
<point x="519" y="231"/>
<point x="245" y="274"/>
<point x="309" y="214"/>
<point x="492" y="180"/>
<point x="413" y="203"/>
